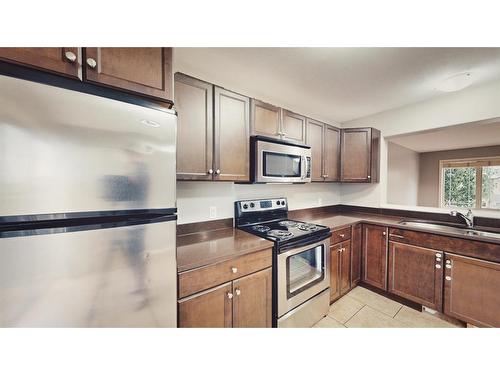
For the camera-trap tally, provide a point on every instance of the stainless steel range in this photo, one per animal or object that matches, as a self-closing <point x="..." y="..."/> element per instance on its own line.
<point x="301" y="260"/>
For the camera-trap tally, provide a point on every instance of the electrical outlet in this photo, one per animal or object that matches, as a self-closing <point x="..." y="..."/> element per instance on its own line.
<point x="213" y="212"/>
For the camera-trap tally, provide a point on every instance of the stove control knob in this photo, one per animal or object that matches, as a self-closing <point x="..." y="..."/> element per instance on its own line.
<point x="245" y="206"/>
<point x="278" y="203"/>
<point x="282" y="203"/>
<point x="252" y="205"/>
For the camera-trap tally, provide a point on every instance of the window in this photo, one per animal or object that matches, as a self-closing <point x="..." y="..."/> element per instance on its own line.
<point x="470" y="183"/>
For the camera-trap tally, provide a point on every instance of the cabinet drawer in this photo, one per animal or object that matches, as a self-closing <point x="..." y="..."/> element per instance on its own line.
<point x="340" y="235"/>
<point x="207" y="277"/>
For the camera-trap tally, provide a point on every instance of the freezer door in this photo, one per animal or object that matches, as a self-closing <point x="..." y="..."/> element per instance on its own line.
<point x="115" y="277"/>
<point x="63" y="151"/>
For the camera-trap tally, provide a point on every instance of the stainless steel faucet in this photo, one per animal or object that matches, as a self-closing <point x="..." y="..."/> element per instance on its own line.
<point x="469" y="218"/>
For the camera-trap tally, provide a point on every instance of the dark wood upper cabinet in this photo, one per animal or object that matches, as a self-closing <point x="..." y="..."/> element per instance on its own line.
<point x="471" y="290"/>
<point x="213" y="132"/>
<point x="193" y="102"/>
<point x="375" y="255"/>
<point x="314" y="138"/>
<point x="145" y="71"/>
<point x="331" y="154"/>
<point x="356" y="249"/>
<point x="265" y="119"/>
<point x="293" y="127"/>
<point x="252" y="300"/>
<point x="231" y="136"/>
<point x="212" y="308"/>
<point x="360" y="155"/>
<point x="416" y="273"/>
<point x="66" y="61"/>
<point x="325" y="151"/>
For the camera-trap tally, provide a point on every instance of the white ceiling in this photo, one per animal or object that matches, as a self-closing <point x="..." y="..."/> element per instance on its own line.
<point x="475" y="134"/>
<point x="339" y="84"/>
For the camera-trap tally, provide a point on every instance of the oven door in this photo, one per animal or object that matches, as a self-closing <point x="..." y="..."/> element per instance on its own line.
<point x="276" y="162"/>
<point x="302" y="273"/>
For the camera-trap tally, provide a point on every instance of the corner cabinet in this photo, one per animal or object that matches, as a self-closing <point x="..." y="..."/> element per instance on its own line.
<point x="360" y="153"/>
<point x="65" y="61"/>
<point x="213" y="133"/>
<point x="375" y="255"/>
<point x="146" y="71"/>
<point x="324" y="140"/>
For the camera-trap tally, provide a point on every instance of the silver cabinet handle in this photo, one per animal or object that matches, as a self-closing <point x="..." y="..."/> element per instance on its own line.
<point x="210" y="171"/>
<point x="383" y="233"/>
<point x="395" y="235"/>
<point x="70" y="56"/>
<point x="217" y="171"/>
<point x="438" y="255"/>
<point x="238" y="292"/>
<point x="448" y="261"/>
<point x="448" y="278"/>
<point x="448" y="266"/>
<point x="343" y="235"/>
<point x="229" y="295"/>
<point x="438" y="266"/>
<point x="368" y="176"/>
<point x="91" y="63"/>
<point x="234" y="269"/>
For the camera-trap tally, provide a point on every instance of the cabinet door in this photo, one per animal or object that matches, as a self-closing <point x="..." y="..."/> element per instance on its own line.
<point x="265" y="119"/>
<point x="416" y="273"/>
<point x="375" y="255"/>
<point x="66" y="61"/>
<point x="314" y="138"/>
<point x="331" y="153"/>
<point x="252" y="301"/>
<point x="356" y="242"/>
<point x="335" y="271"/>
<point x="293" y="127"/>
<point x="345" y="267"/>
<point x="194" y="101"/>
<point x="472" y="290"/>
<point x="211" y="308"/>
<point x="356" y="155"/>
<point x="231" y="136"/>
<point x="145" y="71"/>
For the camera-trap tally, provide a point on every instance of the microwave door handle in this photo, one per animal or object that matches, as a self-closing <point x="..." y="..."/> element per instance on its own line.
<point x="304" y="172"/>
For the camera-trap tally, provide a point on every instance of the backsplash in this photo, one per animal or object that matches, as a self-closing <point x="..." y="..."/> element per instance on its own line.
<point x="196" y="200"/>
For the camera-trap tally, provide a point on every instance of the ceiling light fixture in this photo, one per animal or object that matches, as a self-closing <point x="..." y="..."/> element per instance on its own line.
<point x="456" y="82"/>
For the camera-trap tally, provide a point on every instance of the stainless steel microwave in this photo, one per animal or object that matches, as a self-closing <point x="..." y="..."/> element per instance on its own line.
<point x="275" y="161"/>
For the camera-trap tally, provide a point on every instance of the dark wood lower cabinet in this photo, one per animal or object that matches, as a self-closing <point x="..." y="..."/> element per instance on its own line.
<point x="244" y="302"/>
<point x="252" y="302"/>
<point x="416" y="273"/>
<point x="334" y="272"/>
<point x="472" y="290"/>
<point x="212" y="308"/>
<point x="340" y="269"/>
<point x="356" y="248"/>
<point x="375" y="255"/>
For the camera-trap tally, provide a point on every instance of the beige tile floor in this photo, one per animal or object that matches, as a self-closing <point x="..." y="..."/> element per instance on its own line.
<point x="362" y="308"/>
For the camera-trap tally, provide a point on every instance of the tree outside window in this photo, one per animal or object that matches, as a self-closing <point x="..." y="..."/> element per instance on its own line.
<point x="470" y="183"/>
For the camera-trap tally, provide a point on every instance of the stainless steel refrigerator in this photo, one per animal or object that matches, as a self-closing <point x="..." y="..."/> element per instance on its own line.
<point x="87" y="210"/>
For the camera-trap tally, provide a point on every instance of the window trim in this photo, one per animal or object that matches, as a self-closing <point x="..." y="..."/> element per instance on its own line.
<point x="476" y="163"/>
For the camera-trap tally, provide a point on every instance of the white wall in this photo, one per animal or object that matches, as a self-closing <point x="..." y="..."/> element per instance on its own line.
<point x="403" y="169"/>
<point x="194" y="198"/>
<point x="472" y="104"/>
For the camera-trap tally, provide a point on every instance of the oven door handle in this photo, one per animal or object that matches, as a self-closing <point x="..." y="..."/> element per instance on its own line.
<point x="304" y="242"/>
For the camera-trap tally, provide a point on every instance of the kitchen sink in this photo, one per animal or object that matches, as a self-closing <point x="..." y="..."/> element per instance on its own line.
<point x="451" y="228"/>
